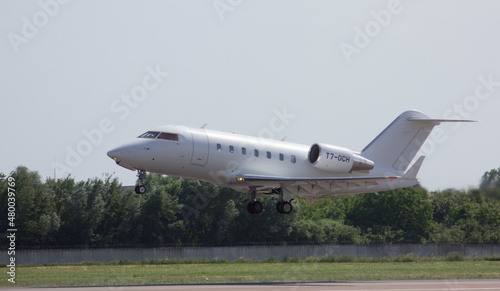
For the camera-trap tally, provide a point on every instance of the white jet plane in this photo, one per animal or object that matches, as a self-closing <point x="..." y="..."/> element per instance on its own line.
<point x="258" y="166"/>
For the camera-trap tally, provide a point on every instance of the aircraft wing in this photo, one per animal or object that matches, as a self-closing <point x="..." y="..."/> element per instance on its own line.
<point x="291" y="180"/>
<point x="319" y="185"/>
<point x="334" y="185"/>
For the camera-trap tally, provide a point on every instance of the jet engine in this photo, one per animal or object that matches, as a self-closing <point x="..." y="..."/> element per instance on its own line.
<point x="336" y="159"/>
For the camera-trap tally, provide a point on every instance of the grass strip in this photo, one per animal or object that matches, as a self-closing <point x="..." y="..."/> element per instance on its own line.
<point x="244" y="272"/>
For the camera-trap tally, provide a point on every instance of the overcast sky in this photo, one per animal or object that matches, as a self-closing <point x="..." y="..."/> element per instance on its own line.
<point x="78" y="78"/>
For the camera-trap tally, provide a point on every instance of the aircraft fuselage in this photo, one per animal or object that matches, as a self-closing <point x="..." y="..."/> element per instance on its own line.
<point x="263" y="166"/>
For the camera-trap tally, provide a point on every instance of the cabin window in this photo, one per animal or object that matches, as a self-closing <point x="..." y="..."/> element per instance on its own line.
<point x="294" y="159"/>
<point x="168" y="136"/>
<point x="219" y="147"/>
<point x="243" y="151"/>
<point x="149" y="134"/>
<point x="256" y="153"/>
<point x="231" y="149"/>
<point x="268" y="155"/>
<point x="282" y="157"/>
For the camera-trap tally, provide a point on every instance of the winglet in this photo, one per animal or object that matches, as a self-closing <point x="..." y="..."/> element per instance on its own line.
<point x="413" y="171"/>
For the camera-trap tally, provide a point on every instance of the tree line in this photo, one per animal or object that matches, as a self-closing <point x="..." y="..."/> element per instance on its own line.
<point x="100" y="212"/>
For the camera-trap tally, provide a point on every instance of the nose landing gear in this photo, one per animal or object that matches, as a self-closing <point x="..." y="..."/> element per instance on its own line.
<point x="140" y="188"/>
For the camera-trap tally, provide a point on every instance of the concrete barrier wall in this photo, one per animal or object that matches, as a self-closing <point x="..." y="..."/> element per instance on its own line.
<point x="247" y="252"/>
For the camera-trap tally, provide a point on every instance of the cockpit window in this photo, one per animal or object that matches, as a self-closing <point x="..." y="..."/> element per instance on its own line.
<point x="168" y="136"/>
<point x="160" y="135"/>
<point x="149" y="134"/>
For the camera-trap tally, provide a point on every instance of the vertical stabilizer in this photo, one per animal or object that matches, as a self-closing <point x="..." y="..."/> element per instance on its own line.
<point x="398" y="144"/>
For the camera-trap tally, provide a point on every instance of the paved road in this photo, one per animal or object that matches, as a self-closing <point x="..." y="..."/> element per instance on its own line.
<point x="423" y="285"/>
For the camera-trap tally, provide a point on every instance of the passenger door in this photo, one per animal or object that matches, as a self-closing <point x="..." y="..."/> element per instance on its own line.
<point x="200" y="147"/>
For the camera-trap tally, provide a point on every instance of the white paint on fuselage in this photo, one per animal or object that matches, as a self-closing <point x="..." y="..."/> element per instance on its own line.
<point x="222" y="166"/>
<point x="194" y="153"/>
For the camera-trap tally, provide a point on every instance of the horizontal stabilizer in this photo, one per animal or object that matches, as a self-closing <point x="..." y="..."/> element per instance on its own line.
<point x="441" y="120"/>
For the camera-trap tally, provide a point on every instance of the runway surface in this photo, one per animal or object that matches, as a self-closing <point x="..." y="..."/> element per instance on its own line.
<point x="423" y="285"/>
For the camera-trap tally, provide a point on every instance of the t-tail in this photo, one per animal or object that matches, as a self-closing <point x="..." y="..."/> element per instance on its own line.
<point x="398" y="144"/>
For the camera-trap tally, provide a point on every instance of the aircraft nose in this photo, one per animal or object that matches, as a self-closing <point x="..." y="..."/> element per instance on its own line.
<point x="118" y="153"/>
<point x="114" y="153"/>
<point x="124" y="151"/>
<point x="124" y="156"/>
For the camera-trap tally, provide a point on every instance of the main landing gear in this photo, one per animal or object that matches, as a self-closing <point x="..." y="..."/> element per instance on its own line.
<point x="140" y="188"/>
<point x="283" y="206"/>
<point x="255" y="206"/>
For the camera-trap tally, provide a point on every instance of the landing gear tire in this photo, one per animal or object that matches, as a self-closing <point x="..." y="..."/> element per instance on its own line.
<point x="255" y="207"/>
<point x="141" y="189"/>
<point x="278" y="206"/>
<point x="284" y="207"/>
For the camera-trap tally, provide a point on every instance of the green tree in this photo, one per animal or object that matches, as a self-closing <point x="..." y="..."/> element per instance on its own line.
<point x="490" y="184"/>
<point x="268" y="226"/>
<point x="323" y="207"/>
<point x="160" y="212"/>
<point x="443" y="202"/>
<point x="324" y="231"/>
<point x="100" y="212"/>
<point x="479" y="222"/>
<point x="403" y="215"/>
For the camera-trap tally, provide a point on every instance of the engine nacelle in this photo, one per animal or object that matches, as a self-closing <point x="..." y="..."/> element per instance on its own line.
<point x="336" y="159"/>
